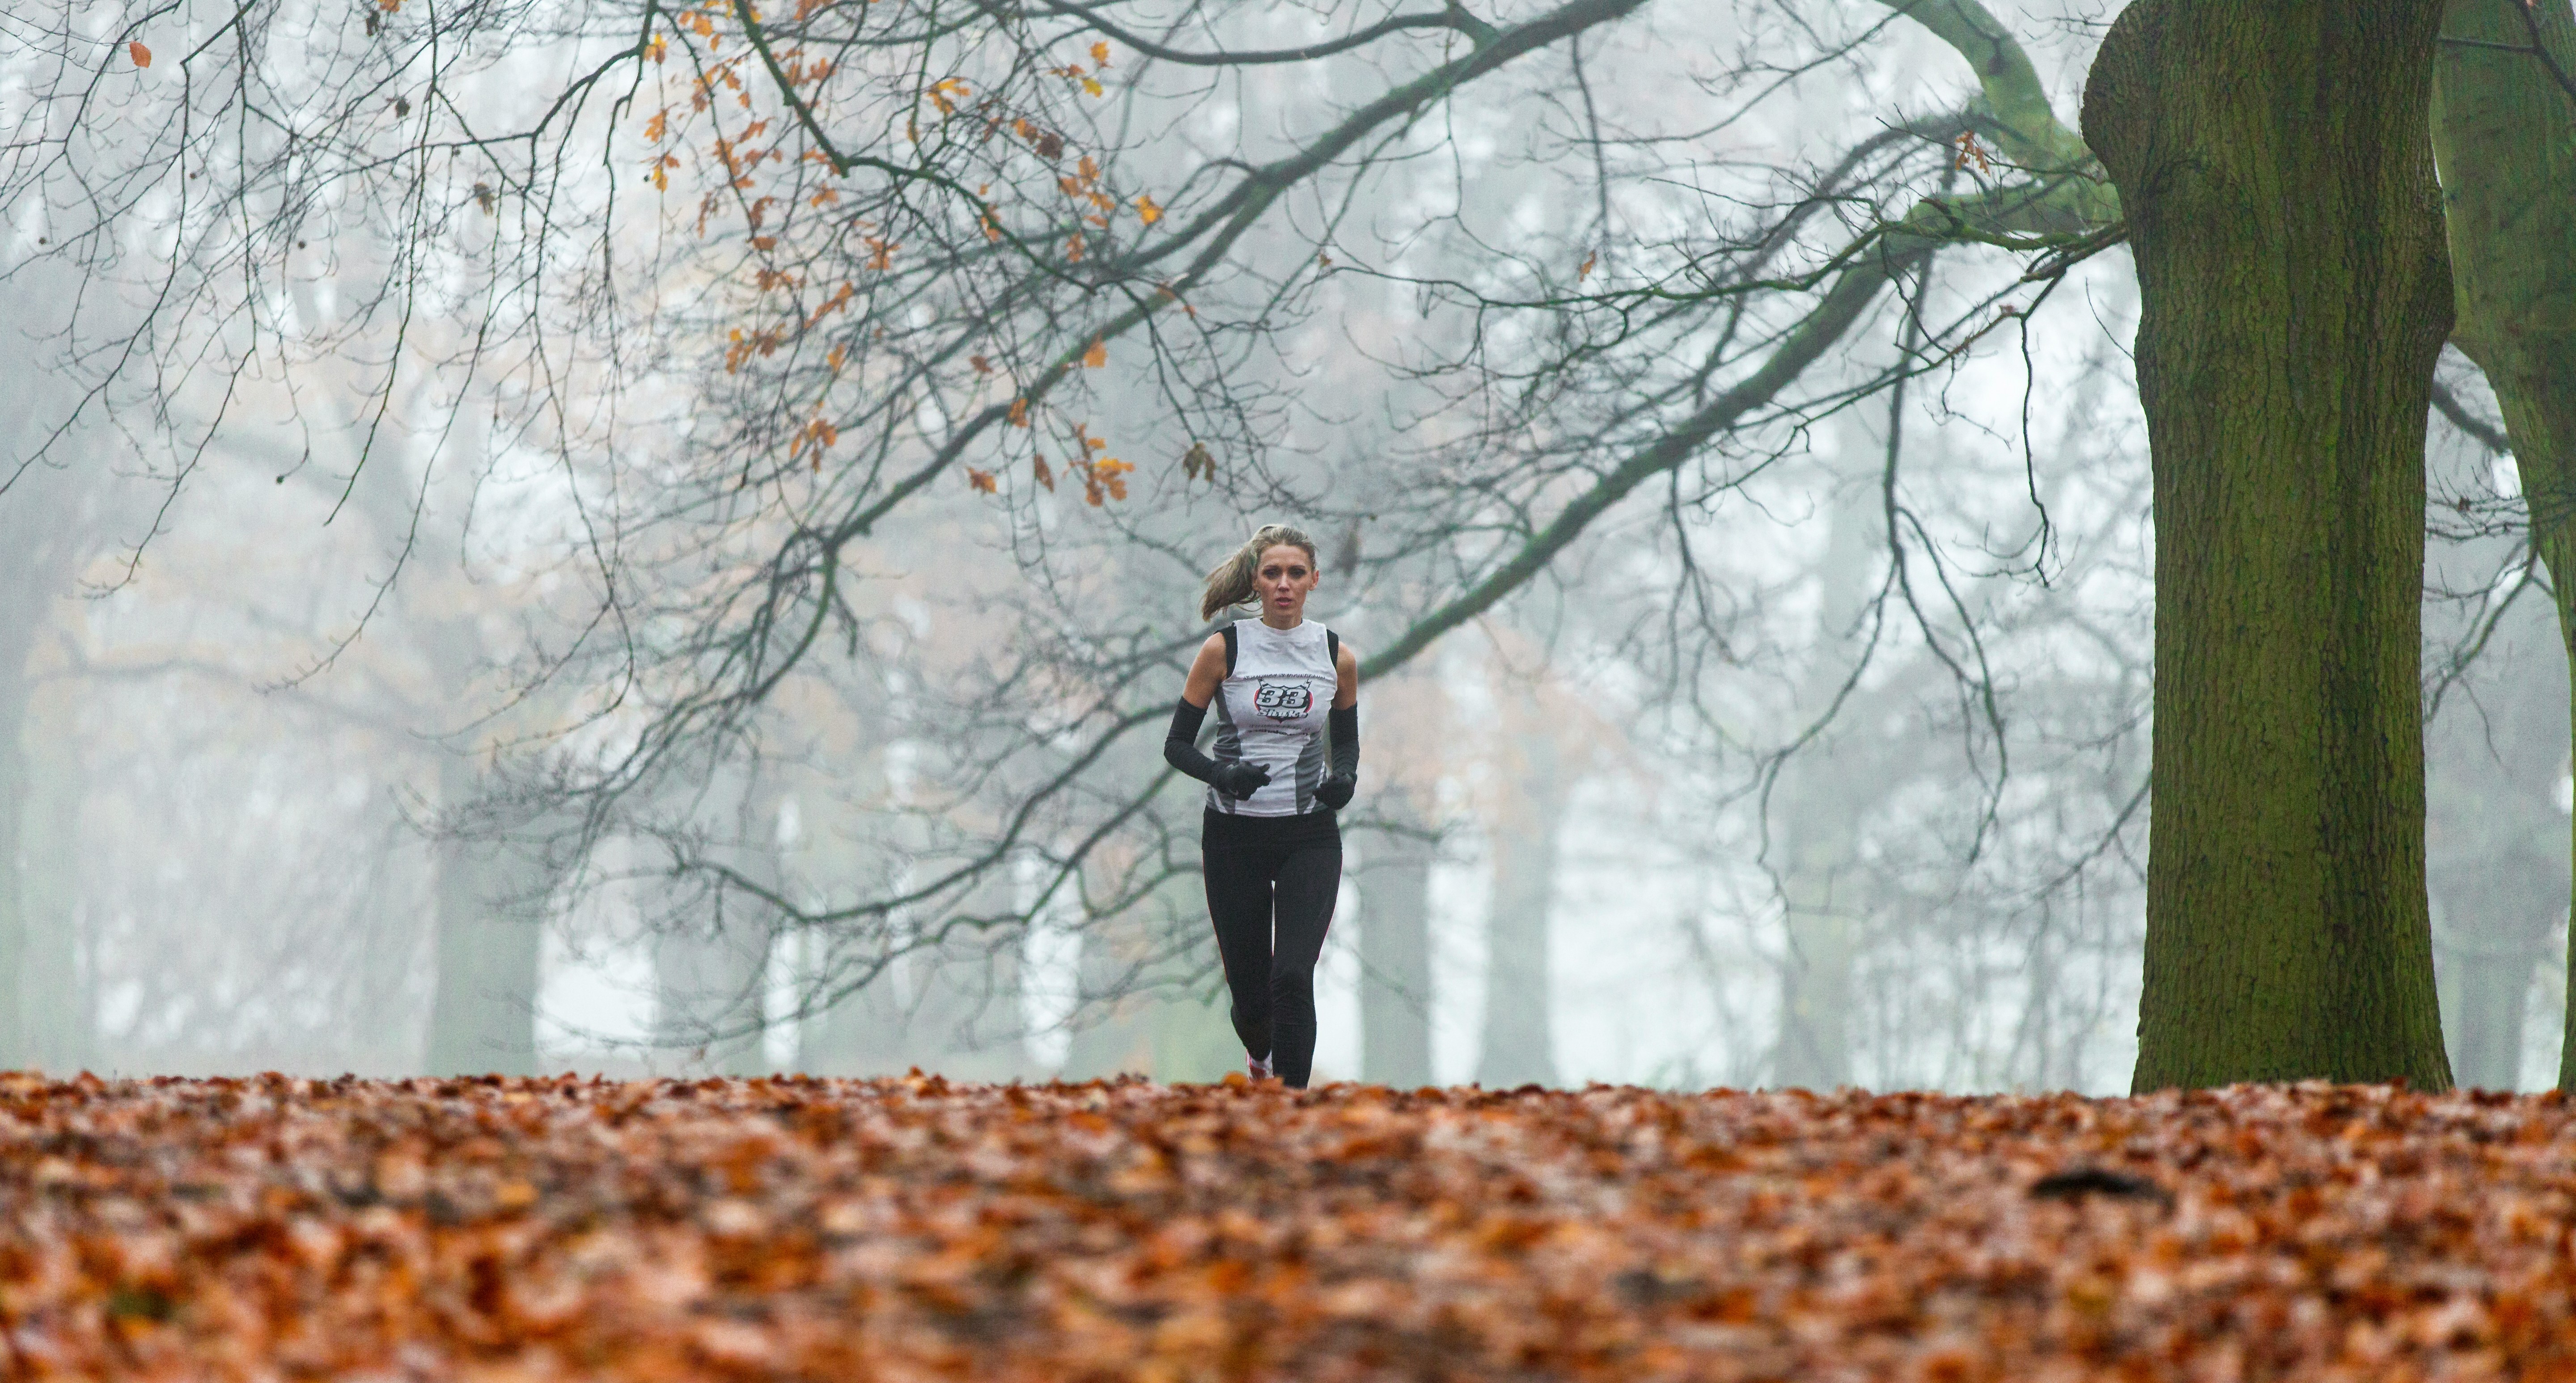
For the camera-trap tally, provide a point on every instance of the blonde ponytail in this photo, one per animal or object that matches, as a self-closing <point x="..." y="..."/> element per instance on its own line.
<point x="1231" y="582"/>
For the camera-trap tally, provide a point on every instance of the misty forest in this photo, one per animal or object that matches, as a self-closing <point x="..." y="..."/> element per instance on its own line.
<point x="651" y="538"/>
<point x="1960" y="612"/>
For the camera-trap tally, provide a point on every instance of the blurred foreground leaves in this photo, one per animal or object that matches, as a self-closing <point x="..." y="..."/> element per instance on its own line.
<point x="793" y="1228"/>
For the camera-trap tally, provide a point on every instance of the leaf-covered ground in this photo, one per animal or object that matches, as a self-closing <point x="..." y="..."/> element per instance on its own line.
<point x="846" y="1230"/>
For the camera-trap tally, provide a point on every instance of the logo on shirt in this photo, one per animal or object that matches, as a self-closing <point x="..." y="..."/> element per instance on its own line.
<point x="1283" y="700"/>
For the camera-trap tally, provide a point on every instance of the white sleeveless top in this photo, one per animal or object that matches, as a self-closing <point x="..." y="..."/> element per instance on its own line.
<point x="1270" y="712"/>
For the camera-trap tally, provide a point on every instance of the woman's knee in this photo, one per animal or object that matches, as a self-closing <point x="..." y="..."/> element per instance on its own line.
<point x="1292" y="989"/>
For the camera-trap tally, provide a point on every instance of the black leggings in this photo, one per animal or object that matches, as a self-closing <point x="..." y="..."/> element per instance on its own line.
<point x="1271" y="882"/>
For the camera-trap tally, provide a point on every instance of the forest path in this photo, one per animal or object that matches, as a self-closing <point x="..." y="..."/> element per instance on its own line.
<point x="898" y="1229"/>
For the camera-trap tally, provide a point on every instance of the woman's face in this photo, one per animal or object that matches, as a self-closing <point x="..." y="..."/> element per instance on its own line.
<point x="1283" y="580"/>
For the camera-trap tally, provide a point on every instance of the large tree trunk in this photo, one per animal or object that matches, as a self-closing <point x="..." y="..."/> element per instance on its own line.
<point x="2275" y="168"/>
<point x="2504" y="133"/>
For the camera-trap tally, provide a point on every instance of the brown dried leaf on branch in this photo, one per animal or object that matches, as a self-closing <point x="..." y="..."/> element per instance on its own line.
<point x="794" y="1228"/>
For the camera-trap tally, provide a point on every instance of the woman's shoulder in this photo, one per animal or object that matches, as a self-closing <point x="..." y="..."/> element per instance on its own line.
<point x="1213" y="647"/>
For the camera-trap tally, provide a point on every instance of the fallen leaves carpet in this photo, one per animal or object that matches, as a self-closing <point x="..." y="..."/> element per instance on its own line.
<point x="851" y="1230"/>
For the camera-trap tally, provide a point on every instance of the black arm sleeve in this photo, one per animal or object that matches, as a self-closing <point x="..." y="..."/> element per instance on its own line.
<point x="1344" y="723"/>
<point x="1181" y="742"/>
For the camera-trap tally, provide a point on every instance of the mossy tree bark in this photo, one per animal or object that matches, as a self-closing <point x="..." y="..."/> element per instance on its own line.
<point x="2504" y="134"/>
<point x="2274" y="164"/>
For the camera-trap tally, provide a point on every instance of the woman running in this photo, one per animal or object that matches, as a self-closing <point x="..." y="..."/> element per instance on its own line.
<point x="1271" y="847"/>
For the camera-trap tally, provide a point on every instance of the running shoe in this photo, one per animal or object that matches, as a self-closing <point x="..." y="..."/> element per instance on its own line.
<point x="1260" y="1068"/>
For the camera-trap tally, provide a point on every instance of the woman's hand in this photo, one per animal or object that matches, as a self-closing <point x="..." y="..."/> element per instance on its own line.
<point x="1239" y="780"/>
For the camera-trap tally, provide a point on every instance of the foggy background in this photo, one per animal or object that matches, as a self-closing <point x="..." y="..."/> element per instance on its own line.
<point x="1821" y="763"/>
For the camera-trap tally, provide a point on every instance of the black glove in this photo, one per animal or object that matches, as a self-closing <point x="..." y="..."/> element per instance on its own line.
<point x="1336" y="789"/>
<point x="1235" y="781"/>
<point x="1238" y="780"/>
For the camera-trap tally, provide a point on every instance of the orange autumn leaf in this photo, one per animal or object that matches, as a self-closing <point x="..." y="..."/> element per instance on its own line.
<point x="1146" y="211"/>
<point x="982" y="481"/>
<point x="1097" y="356"/>
<point x="142" y="56"/>
<point x="1100" y="54"/>
<point x="1111" y="473"/>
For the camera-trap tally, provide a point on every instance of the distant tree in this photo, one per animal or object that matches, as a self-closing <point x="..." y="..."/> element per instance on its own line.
<point x="62" y="519"/>
<point x="1536" y="773"/>
<point x="2504" y="135"/>
<point x="1411" y="732"/>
